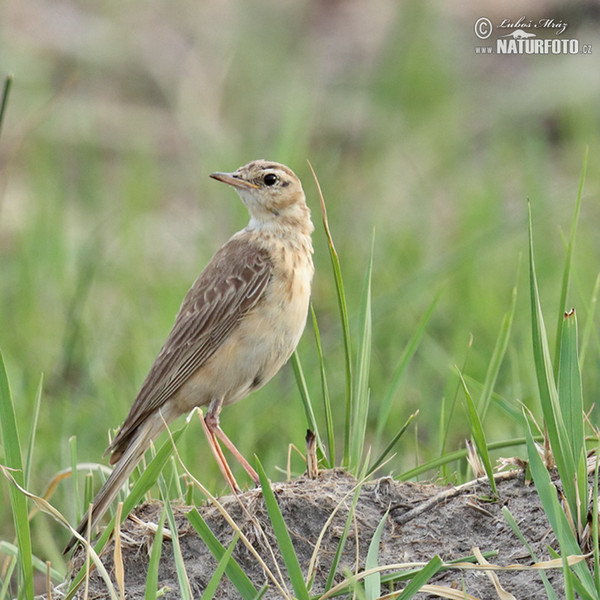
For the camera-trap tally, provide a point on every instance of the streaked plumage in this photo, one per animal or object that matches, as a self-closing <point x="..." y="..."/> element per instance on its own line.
<point x="238" y="324"/>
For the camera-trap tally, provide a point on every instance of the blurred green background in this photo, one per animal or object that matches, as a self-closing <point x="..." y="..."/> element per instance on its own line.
<point x="118" y="113"/>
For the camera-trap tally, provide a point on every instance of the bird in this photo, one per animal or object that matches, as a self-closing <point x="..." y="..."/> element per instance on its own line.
<point x="237" y="326"/>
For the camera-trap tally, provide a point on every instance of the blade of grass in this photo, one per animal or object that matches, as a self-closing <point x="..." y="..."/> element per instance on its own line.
<point x="546" y="384"/>
<point x="325" y="392"/>
<point x="283" y="536"/>
<point x="141" y="486"/>
<point x="421" y="578"/>
<point x="562" y="307"/>
<point x="569" y="385"/>
<point x="590" y="325"/>
<point x="152" y="577"/>
<point x="182" y="576"/>
<point x="88" y="493"/>
<point x="13" y="458"/>
<point x="448" y="406"/>
<point x="5" y="93"/>
<point x="233" y="570"/>
<point x="571" y="405"/>
<point x="306" y="401"/>
<point x="360" y="403"/>
<point x="509" y="406"/>
<point x="303" y="388"/>
<point x="342" y="542"/>
<point x="211" y="586"/>
<point x="479" y="436"/>
<point x="497" y="358"/>
<point x="75" y="480"/>
<point x="8" y="570"/>
<point x="390" y="578"/>
<point x="373" y="581"/>
<point x="34" y="422"/>
<point x="381" y="458"/>
<point x="458" y="455"/>
<point x="554" y="511"/>
<point x="407" y="354"/>
<point x="550" y="593"/>
<point x="570" y="580"/>
<point x="47" y="508"/>
<point x="343" y="308"/>
<point x="38" y="564"/>
<point x="341" y="503"/>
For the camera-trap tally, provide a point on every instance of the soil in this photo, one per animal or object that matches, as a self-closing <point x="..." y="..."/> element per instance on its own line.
<point x="423" y="521"/>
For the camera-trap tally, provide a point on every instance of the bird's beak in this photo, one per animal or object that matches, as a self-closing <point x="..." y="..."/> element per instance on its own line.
<point x="234" y="180"/>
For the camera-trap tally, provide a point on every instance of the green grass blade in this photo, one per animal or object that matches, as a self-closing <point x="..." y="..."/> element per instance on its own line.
<point x="141" y="486"/>
<point x="74" y="479"/>
<point x="381" y="458"/>
<point x="569" y="386"/>
<point x="7" y="572"/>
<point x="550" y="593"/>
<point x="562" y="307"/>
<point x="449" y="406"/>
<point x="590" y="325"/>
<point x="303" y="389"/>
<point x="392" y="578"/>
<point x="572" y="585"/>
<point x="342" y="542"/>
<point x="233" y="570"/>
<point x="360" y="403"/>
<point x="88" y="493"/>
<point x="570" y="580"/>
<point x="5" y="93"/>
<point x="497" y="358"/>
<point x="182" y="576"/>
<point x="571" y="405"/>
<point x="38" y="564"/>
<point x="421" y="578"/>
<point x="34" y="422"/>
<point x="307" y="403"/>
<point x="555" y="513"/>
<point x="373" y="581"/>
<point x="343" y="309"/>
<point x="283" y="536"/>
<point x="458" y="455"/>
<point x="325" y="392"/>
<point x="546" y="383"/>
<point x="479" y="436"/>
<point x="153" y="563"/>
<point x="211" y="586"/>
<point x="407" y="354"/>
<point x="12" y="455"/>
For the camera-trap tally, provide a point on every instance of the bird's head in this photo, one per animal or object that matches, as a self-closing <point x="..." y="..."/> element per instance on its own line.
<point x="272" y="193"/>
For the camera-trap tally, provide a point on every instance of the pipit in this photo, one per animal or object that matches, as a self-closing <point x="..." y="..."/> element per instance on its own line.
<point x="238" y="324"/>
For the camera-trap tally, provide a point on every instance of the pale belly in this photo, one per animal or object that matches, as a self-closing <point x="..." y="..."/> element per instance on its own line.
<point x="256" y="350"/>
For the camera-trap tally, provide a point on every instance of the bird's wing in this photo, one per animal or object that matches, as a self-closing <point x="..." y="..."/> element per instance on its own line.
<point x="230" y="285"/>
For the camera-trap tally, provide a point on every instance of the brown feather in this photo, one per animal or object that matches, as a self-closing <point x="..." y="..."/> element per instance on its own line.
<point x="231" y="285"/>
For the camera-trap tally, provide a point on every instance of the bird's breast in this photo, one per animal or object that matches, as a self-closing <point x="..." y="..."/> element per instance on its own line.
<point x="269" y="334"/>
<point x="280" y="316"/>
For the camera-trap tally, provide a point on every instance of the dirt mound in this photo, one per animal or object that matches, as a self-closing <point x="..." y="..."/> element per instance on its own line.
<point x="423" y="520"/>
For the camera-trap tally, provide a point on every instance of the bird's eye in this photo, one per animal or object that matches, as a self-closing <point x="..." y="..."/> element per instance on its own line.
<point x="270" y="179"/>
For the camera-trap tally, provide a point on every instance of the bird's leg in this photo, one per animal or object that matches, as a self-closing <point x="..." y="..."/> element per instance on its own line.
<point x="212" y="423"/>
<point x="229" y="444"/>
<point x="208" y="428"/>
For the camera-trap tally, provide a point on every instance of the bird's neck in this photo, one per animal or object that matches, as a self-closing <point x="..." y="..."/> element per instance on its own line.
<point x="289" y="223"/>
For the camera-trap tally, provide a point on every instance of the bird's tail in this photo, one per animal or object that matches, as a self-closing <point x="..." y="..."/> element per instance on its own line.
<point x="123" y="469"/>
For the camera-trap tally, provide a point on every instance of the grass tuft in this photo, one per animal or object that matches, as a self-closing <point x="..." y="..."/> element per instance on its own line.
<point x="13" y="457"/>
